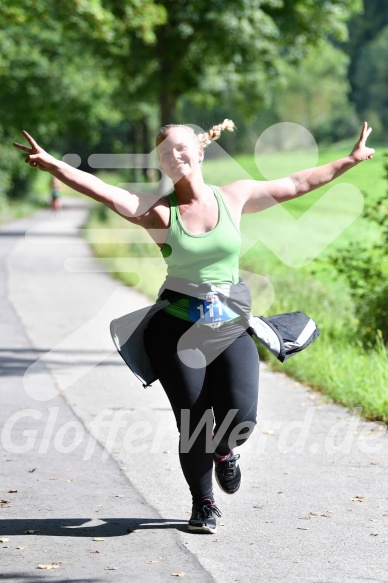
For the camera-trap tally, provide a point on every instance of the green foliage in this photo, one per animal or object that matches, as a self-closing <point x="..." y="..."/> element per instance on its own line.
<point x="344" y="372"/>
<point x="57" y="76"/>
<point x="15" y="175"/>
<point x="312" y="92"/>
<point x="370" y="82"/>
<point x="366" y="271"/>
<point x="368" y="42"/>
<point x="228" y="46"/>
<point x="315" y="94"/>
<point x="73" y="72"/>
<point x="50" y="88"/>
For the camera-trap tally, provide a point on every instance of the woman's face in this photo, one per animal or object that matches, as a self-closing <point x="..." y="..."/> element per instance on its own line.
<point x="179" y="154"/>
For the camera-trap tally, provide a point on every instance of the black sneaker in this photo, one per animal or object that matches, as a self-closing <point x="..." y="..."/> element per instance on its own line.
<point x="228" y="473"/>
<point x="203" y="516"/>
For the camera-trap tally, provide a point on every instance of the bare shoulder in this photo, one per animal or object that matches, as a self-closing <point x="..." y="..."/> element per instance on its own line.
<point x="256" y="195"/>
<point x="243" y="189"/>
<point x="238" y="193"/>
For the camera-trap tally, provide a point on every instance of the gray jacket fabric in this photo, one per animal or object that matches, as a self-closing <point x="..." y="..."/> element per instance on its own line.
<point x="283" y="335"/>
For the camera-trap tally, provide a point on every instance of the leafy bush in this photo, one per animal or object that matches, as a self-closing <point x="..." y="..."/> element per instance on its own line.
<point x="15" y="175"/>
<point x="366" y="270"/>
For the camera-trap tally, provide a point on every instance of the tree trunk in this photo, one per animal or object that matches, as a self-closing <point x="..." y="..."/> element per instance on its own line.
<point x="167" y="103"/>
<point x="167" y="93"/>
<point x="145" y="140"/>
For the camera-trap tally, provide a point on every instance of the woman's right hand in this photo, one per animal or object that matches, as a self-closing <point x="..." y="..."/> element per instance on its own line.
<point x="37" y="157"/>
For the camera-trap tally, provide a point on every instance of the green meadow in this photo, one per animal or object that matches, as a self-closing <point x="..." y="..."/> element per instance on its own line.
<point x="284" y="260"/>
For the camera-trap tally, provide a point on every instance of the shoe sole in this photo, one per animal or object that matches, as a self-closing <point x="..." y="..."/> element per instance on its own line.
<point x="204" y="529"/>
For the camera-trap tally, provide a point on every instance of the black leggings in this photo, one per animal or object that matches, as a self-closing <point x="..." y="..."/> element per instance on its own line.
<point x="205" y="372"/>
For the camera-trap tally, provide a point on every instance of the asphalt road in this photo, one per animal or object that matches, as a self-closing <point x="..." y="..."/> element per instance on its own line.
<point x="91" y="488"/>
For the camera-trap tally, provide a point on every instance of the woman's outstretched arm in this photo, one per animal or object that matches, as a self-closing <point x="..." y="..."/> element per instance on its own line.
<point x="129" y="205"/>
<point x="259" y="195"/>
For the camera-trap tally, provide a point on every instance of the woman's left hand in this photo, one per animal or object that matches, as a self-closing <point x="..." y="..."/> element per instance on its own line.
<point x="360" y="151"/>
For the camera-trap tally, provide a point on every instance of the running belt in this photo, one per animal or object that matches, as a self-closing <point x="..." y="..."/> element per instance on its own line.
<point x="283" y="335"/>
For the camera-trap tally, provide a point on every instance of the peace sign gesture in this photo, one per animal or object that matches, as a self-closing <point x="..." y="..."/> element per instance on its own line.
<point x="360" y="151"/>
<point x="37" y="157"/>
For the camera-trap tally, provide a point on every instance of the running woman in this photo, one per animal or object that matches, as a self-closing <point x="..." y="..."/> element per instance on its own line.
<point x="203" y="355"/>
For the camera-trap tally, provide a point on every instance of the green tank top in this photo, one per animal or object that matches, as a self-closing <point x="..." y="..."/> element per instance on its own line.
<point x="205" y="257"/>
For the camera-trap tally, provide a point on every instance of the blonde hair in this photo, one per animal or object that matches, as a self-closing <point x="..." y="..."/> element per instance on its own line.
<point x="203" y="139"/>
<point x="215" y="132"/>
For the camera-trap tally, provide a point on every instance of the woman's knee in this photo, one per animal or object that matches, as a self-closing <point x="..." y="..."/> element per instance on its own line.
<point x="236" y="433"/>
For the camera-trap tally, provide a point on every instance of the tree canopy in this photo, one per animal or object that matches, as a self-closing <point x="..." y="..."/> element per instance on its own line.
<point x="73" y="69"/>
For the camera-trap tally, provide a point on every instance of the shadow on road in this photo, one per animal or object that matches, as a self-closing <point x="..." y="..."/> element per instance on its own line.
<point x="24" y="577"/>
<point x="15" y="361"/>
<point x="46" y="233"/>
<point x="84" y="527"/>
